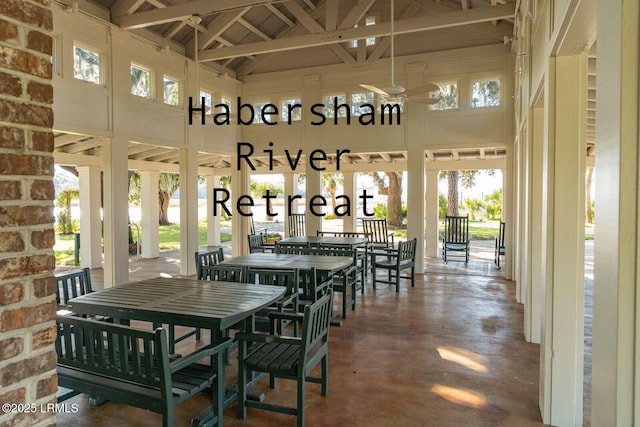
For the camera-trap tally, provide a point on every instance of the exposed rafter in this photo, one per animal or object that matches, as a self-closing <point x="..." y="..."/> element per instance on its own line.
<point x="181" y="12"/>
<point x="424" y="23"/>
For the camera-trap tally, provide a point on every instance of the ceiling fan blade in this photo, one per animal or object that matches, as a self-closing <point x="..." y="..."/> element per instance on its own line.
<point x="375" y="89"/>
<point x="423" y="90"/>
<point x="428" y="101"/>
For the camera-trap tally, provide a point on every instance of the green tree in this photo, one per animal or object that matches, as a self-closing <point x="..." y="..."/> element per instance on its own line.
<point x="588" y="201"/>
<point x="493" y="204"/>
<point x="474" y="207"/>
<point x="64" y="199"/>
<point x="168" y="184"/>
<point x="391" y="185"/>
<point x="485" y="93"/>
<point x="466" y="178"/>
<point x="442" y="206"/>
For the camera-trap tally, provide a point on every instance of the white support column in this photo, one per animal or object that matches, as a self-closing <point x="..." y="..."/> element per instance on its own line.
<point x="416" y="166"/>
<point x="188" y="210"/>
<point x="536" y="290"/>
<point x="562" y="344"/>
<point x="616" y="301"/>
<point x="90" y="221"/>
<point x="507" y="212"/>
<point x="116" y="209"/>
<point x="149" y="206"/>
<point x="349" y="185"/>
<point x="311" y="141"/>
<point x="213" y="222"/>
<point x="313" y="222"/>
<point x="240" y="224"/>
<point x="290" y="189"/>
<point x="432" y="210"/>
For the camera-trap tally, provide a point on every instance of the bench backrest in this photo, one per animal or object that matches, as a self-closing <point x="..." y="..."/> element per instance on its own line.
<point x="71" y="285"/>
<point x="291" y="248"/>
<point x="223" y="273"/>
<point x="341" y="234"/>
<point x="456" y="229"/>
<point x="115" y="351"/>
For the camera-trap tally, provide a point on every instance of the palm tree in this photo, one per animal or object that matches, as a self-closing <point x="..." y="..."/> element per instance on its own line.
<point x="330" y="181"/>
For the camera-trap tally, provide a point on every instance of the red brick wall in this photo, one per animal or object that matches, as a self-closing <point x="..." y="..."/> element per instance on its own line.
<point x="27" y="288"/>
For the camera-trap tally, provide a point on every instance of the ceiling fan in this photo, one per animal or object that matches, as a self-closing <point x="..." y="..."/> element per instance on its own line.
<point x="396" y="94"/>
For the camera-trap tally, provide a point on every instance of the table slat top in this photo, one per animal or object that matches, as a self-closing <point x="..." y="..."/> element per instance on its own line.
<point x="324" y="263"/>
<point x="187" y="302"/>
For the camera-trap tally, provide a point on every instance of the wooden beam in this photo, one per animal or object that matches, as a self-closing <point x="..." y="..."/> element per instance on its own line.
<point x="181" y="11"/>
<point x="297" y="29"/>
<point x="331" y="15"/>
<point x="218" y="26"/>
<point x="280" y="15"/>
<point x="314" y="27"/>
<point x="385" y="42"/>
<point x="425" y="23"/>
<point x="125" y="7"/>
<point x="249" y="26"/>
<point x="356" y="13"/>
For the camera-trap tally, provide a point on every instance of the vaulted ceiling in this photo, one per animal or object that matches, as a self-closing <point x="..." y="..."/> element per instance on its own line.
<point x="242" y="37"/>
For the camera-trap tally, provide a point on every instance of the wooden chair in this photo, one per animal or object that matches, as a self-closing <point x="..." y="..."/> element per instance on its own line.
<point x="287" y="357"/>
<point x="395" y="261"/>
<point x="288" y="278"/>
<point x="205" y="259"/>
<point x="257" y="244"/>
<point x="263" y="231"/>
<point x="71" y="285"/>
<point x="291" y="248"/>
<point x="363" y="251"/>
<point x="345" y="281"/>
<point x="455" y="238"/>
<point x="499" y="248"/>
<point x="378" y="233"/>
<point x="296" y="225"/>
<point x="311" y="287"/>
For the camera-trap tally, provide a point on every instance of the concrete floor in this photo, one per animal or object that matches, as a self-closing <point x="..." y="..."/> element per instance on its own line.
<point x="449" y="352"/>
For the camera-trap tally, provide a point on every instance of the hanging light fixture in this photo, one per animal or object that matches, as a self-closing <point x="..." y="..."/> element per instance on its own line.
<point x="196" y="20"/>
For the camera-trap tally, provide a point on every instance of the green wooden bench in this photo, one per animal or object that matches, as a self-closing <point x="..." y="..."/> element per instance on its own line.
<point x="132" y="366"/>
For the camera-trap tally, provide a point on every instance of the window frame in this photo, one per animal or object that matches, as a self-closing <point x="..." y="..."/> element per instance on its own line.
<point x="151" y="95"/>
<point x="446" y="83"/>
<point x="485" y="79"/>
<point x="178" y="83"/>
<point x="88" y="48"/>
<point x="283" y="108"/>
<point x="347" y="97"/>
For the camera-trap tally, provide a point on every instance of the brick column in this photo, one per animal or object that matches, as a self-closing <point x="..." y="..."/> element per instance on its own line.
<point x="27" y="287"/>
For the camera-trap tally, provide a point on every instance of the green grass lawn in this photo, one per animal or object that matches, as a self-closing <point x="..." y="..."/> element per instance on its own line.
<point x="169" y="236"/>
